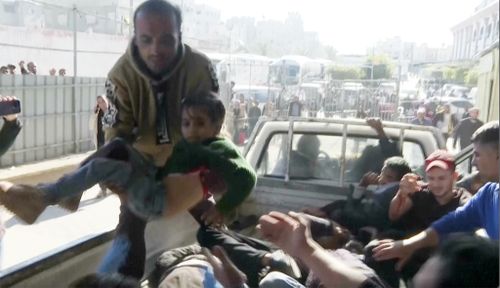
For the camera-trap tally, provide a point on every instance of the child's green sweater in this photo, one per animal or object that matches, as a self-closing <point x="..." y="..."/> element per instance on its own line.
<point x="218" y="155"/>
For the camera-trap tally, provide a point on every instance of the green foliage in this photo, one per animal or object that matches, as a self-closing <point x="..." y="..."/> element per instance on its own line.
<point x="382" y="67"/>
<point x="458" y="75"/>
<point x="343" y="73"/>
<point x="471" y="78"/>
<point x="449" y="74"/>
<point x="330" y="52"/>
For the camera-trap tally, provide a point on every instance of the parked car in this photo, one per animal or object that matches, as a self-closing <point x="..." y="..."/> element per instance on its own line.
<point x="458" y="91"/>
<point x="458" y="106"/>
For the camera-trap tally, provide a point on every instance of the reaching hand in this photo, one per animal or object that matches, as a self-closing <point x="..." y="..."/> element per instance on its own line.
<point x="289" y="232"/>
<point x="375" y="123"/>
<point x="213" y="217"/>
<point x="224" y="269"/>
<point x="369" y="178"/>
<point x="410" y="184"/>
<point x="390" y="249"/>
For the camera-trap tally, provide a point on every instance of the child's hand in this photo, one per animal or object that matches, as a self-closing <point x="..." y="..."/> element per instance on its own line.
<point x="212" y="217"/>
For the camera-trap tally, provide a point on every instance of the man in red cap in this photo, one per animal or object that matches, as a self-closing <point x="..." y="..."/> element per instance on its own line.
<point x="480" y="212"/>
<point x="417" y="205"/>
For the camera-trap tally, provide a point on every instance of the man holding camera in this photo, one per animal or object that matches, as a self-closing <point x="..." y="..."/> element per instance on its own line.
<point x="8" y="134"/>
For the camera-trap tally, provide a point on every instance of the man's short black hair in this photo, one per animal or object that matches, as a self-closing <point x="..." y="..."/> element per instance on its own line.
<point x="398" y="165"/>
<point x="469" y="261"/>
<point x="487" y="134"/>
<point x="208" y="101"/>
<point x="160" y="7"/>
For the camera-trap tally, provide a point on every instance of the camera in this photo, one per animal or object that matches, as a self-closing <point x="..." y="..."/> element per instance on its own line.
<point x="10" y="107"/>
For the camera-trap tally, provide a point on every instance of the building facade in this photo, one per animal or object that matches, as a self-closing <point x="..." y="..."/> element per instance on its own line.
<point x="476" y="33"/>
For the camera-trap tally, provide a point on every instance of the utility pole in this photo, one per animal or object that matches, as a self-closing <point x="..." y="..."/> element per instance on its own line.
<point x="75" y="74"/>
<point x="75" y="62"/>
<point x="131" y="19"/>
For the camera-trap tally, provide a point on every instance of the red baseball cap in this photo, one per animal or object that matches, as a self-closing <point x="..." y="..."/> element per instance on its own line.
<point x="440" y="158"/>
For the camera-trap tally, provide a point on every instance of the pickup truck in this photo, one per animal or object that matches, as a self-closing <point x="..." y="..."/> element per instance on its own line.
<point x="341" y="143"/>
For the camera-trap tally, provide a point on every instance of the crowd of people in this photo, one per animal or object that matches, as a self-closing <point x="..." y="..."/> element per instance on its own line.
<point x="244" y="114"/>
<point x="163" y="153"/>
<point x="450" y="125"/>
<point x="28" y="69"/>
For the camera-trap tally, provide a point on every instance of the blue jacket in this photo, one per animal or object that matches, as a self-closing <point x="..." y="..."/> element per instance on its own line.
<point x="480" y="212"/>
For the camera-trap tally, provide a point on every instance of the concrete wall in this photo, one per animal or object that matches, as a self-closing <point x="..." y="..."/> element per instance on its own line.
<point x="55" y="116"/>
<point x="97" y="53"/>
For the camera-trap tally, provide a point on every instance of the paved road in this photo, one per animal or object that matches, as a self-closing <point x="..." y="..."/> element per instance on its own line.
<point x="56" y="228"/>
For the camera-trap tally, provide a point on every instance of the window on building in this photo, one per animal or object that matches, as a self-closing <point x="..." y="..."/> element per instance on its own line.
<point x="9" y="7"/>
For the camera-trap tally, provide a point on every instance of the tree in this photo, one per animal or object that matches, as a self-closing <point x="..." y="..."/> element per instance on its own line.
<point x="343" y="73"/>
<point x="460" y="74"/>
<point x="381" y="65"/>
<point x="449" y="74"/>
<point x="330" y="52"/>
<point x="456" y="74"/>
<point x="471" y="77"/>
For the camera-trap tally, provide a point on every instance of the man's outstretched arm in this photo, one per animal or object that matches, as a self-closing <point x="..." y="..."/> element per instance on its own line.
<point x="404" y="249"/>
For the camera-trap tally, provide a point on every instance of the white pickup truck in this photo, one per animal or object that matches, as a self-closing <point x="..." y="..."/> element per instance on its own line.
<point x="342" y="142"/>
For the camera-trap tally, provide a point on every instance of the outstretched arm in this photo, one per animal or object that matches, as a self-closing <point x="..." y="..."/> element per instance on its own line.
<point x="402" y="202"/>
<point x="387" y="147"/>
<point x="10" y="128"/>
<point x="292" y="234"/>
<point x="404" y="249"/>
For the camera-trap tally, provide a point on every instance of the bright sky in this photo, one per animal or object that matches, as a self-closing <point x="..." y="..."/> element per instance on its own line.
<point x="353" y="25"/>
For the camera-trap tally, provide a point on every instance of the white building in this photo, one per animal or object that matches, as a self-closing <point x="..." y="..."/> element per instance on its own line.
<point x="202" y="26"/>
<point x="392" y="47"/>
<point x="477" y="32"/>
<point x="96" y="16"/>
<point x="410" y="52"/>
<point x="424" y="54"/>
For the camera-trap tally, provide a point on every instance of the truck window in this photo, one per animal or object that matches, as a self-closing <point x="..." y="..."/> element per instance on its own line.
<point x="312" y="157"/>
<point x="364" y="155"/>
<point x="414" y="155"/>
<point x="269" y="164"/>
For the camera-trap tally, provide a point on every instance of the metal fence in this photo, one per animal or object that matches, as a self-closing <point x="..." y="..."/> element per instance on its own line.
<point x="56" y="114"/>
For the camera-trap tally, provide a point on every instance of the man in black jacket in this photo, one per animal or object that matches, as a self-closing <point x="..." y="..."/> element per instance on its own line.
<point x="445" y="121"/>
<point x="466" y="128"/>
